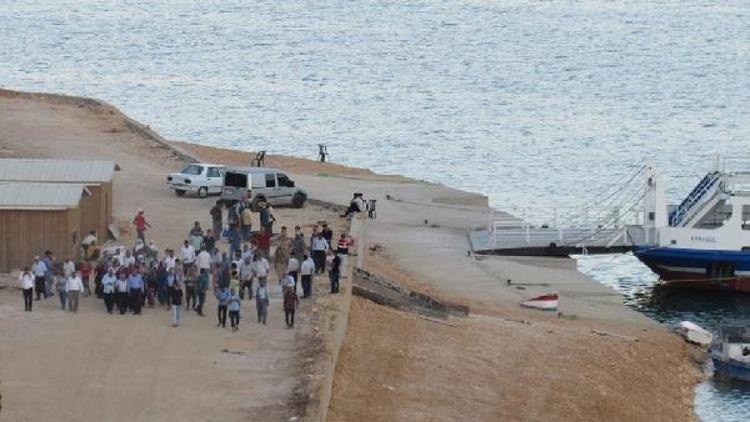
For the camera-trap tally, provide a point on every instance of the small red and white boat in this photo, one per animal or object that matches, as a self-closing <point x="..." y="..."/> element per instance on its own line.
<point x="546" y="302"/>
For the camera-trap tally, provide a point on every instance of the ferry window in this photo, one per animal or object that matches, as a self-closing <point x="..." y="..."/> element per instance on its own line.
<point x="270" y="180"/>
<point x="746" y="217"/>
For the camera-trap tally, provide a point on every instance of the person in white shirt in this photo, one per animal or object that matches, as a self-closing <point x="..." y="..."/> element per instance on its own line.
<point x="247" y="252"/>
<point x="169" y="260"/>
<point x="27" y="285"/>
<point x="121" y="294"/>
<point x="68" y="268"/>
<point x="246" y="277"/>
<point x="74" y="288"/>
<point x="319" y="246"/>
<point x="187" y="253"/>
<point x="307" y="269"/>
<point x="292" y="269"/>
<point x="260" y="268"/>
<point x="128" y="259"/>
<point x="203" y="261"/>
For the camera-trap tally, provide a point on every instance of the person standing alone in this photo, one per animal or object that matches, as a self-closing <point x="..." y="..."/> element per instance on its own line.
<point x="140" y="224"/>
<point x="27" y="285"/>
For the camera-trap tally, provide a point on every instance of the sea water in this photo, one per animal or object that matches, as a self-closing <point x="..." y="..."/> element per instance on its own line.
<point x="529" y="102"/>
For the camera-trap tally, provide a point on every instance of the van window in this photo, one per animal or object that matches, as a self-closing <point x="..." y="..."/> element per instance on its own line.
<point x="214" y="172"/>
<point x="270" y="180"/>
<point x="283" y="180"/>
<point x="237" y="180"/>
<point x="192" y="169"/>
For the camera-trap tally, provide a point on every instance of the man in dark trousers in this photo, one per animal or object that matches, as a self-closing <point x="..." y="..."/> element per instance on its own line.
<point x="216" y="219"/>
<point x="327" y="234"/>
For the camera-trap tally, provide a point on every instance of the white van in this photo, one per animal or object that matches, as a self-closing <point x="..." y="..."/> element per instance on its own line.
<point x="261" y="184"/>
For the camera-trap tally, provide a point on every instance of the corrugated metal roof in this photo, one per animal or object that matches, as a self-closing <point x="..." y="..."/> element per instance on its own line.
<point x="65" y="171"/>
<point x="41" y="196"/>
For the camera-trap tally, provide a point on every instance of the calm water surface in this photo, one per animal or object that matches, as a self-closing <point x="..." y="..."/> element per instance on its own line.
<point x="528" y="102"/>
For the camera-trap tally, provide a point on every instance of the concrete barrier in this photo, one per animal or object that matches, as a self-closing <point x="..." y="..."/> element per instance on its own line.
<point x="389" y="293"/>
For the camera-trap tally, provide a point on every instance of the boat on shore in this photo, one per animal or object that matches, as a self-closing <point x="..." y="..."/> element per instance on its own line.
<point x="546" y="302"/>
<point x="730" y="352"/>
<point x="704" y="242"/>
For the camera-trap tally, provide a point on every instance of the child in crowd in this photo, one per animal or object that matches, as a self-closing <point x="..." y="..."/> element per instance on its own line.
<point x="261" y="301"/>
<point x="234" y="311"/>
<point x="234" y="282"/>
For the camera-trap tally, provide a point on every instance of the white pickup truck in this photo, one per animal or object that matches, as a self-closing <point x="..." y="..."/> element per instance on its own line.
<point x="200" y="178"/>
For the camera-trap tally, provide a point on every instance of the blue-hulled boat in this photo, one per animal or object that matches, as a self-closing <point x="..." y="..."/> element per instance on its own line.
<point x="730" y="352"/>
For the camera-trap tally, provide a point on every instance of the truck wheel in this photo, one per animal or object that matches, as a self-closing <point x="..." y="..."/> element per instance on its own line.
<point x="203" y="192"/>
<point x="298" y="200"/>
<point x="179" y="192"/>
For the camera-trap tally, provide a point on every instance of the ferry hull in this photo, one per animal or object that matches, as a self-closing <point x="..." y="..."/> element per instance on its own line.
<point x="699" y="269"/>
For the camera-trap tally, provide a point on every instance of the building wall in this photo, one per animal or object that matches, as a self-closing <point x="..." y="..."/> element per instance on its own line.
<point x="26" y="233"/>
<point x="96" y="210"/>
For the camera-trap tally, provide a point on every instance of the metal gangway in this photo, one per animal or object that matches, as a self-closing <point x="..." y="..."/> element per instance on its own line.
<point x="600" y="225"/>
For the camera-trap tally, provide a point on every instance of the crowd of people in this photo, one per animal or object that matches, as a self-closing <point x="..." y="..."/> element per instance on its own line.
<point x="130" y="279"/>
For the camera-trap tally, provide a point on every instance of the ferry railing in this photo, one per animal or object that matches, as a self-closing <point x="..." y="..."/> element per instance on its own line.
<point x="561" y="225"/>
<point x="734" y="165"/>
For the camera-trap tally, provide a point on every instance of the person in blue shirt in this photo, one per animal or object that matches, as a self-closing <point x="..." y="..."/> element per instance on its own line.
<point x="222" y="296"/>
<point x="234" y="311"/>
<point x="108" y="289"/>
<point x="135" y="287"/>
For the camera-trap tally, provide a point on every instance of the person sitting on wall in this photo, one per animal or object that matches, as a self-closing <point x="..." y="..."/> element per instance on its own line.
<point x="88" y="243"/>
<point x="357" y="204"/>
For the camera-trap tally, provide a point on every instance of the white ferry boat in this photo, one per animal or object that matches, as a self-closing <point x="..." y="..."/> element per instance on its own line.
<point x="704" y="242"/>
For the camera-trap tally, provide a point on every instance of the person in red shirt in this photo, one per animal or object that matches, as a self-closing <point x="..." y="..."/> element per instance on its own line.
<point x="86" y="269"/>
<point x="290" y="304"/>
<point x="263" y="240"/>
<point x="140" y="225"/>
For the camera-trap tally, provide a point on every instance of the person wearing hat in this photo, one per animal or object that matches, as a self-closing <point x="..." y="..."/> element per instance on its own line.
<point x="140" y="224"/>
